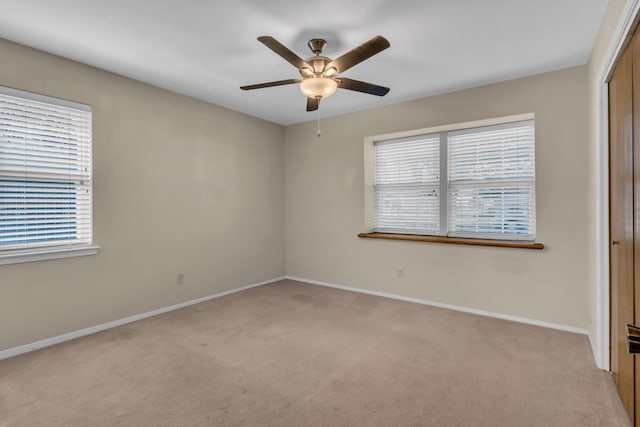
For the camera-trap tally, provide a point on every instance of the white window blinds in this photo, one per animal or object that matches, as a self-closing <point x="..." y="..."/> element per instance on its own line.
<point x="475" y="182"/>
<point x="407" y="185"/>
<point x="492" y="182"/>
<point x="45" y="171"/>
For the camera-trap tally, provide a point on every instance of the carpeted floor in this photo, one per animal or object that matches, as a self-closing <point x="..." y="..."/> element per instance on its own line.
<point x="290" y="354"/>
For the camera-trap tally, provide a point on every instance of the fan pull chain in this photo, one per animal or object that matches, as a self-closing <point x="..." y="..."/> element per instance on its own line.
<point x="318" y="115"/>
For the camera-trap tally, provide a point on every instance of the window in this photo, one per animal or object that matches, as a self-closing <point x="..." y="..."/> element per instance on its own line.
<point x="408" y="185"/>
<point x="45" y="175"/>
<point x="458" y="181"/>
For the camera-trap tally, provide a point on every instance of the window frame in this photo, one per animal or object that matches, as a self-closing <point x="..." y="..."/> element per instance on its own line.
<point x="60" y="250"/>
<point x="444" y="235"/>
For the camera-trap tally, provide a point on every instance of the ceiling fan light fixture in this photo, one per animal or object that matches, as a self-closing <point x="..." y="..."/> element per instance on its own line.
<point x="320" y="73"/>
<point x="318" y="87"/>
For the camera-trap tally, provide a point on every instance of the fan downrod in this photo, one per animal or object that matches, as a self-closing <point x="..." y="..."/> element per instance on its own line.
<point x="316" y="45"/>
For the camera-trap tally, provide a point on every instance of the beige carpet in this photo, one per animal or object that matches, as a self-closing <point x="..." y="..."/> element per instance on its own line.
<point x="290" y="354"/>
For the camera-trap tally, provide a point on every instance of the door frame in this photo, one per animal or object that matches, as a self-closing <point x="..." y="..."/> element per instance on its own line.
<point x="621" y="37"/>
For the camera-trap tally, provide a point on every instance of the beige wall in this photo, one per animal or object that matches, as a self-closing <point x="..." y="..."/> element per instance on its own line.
<point x="603" y="42"/>
<point x="179" y="186"/>
<point x="325" y="206"/>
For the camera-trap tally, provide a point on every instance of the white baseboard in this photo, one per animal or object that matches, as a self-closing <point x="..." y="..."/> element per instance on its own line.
<point x="15" y="351"/>
<point x="448" y="306"/>
<point x="592" y="343"/>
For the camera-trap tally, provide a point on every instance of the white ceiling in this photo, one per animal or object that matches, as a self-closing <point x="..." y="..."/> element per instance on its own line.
<point x="208" y="48"/>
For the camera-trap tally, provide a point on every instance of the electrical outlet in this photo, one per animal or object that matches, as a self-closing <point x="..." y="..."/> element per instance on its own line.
<point x="180" y="279"/>
<point x="401" y="273"/>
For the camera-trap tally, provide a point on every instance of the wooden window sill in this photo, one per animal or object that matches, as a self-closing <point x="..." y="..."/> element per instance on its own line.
<point x="454" y="240"/>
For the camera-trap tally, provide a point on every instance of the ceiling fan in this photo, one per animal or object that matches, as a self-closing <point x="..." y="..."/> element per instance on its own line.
<point x="320" y="74"/>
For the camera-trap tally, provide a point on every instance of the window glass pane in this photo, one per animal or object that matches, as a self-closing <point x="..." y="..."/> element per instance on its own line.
<point x="408" y="161"/>
<point x="492" y="182"/>
<point x="407" y="185"/>
<point x="408" y="210"/>
<point x="491" y="210"/>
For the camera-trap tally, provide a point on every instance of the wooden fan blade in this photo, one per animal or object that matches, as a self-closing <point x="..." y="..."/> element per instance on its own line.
<point x="364" y="87"/>
<point x="284" y="52"/>
<point x="355" y="56"/>
<point x="271" y="84"/>
<point x="313" y="104"/>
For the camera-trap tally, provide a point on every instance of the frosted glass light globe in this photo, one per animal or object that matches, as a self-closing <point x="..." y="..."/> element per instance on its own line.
<point x="318" y="87"/>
